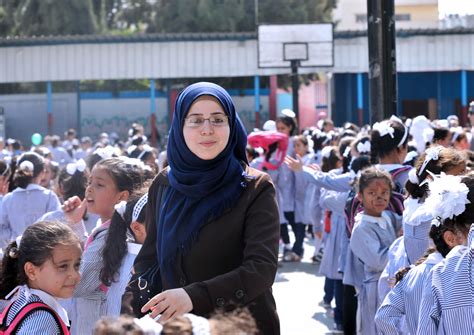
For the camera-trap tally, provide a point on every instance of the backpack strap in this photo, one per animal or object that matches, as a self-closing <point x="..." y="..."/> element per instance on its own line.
<point x="26" y="311"/>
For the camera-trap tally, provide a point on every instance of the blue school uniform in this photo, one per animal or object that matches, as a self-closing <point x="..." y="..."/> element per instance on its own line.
<point x="399" y="311"/>
<point x="447" y="305"/>
<point x="370" y="241"/>
<point x="23" y="207"/>
<point x="304" y="193"/>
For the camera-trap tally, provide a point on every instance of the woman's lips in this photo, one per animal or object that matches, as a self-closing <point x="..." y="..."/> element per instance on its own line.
<point x="208" y="143"/>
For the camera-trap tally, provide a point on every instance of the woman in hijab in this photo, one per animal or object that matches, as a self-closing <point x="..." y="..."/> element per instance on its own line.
<point x="213" y="223"/>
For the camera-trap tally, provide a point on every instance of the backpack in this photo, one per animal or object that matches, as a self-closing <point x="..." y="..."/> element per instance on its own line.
<point x="354" y="205"/>
<point x="23" y="314"/>
<point x="265" y="139"/>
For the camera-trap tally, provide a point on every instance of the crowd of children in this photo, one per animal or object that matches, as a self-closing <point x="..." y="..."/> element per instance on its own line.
<point x="391" y="235"/>
<point x="389" y="208"/>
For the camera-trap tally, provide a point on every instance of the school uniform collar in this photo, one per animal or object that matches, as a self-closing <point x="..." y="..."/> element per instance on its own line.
<point x="415" y="213"/>
<point x="383" y="221"/>
<point x="50" y="301"/>
<point x="470" y="237"/>
<point x="30" y="187"/>
<point x="434" y="258"/>
<point x="133" y="248"/>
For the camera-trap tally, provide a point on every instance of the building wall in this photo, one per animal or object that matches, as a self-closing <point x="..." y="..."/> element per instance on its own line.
<point x="421" y="16"/>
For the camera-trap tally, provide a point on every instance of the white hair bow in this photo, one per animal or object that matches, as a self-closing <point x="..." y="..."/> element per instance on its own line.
<point x="413" y="177"/>
<point x="120" y="208"/>
<point x="326" y="152"/>
<point x="383" y="128"/>
<point x="80" y="166"/>
<point x="107" y="152"/>
<point x="27" y="165"/>
<point x="363" y="147"/>
<point x="447" y="198"/>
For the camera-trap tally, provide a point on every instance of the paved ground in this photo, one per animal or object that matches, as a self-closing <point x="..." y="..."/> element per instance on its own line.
<point x="298" y="290"/>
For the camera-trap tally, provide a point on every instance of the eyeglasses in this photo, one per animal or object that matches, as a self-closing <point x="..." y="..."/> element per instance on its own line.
<point x="195" y="121"/>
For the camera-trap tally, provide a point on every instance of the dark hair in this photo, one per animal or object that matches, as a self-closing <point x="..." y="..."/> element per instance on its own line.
<point x="127" y="177"/>
<point x="23" y="176"/>
<point x="326" y="122"/>
<point x="403" y="271"/>
<point x="251" y="152"/>
<point x="440" y="133"/>
<point x="330" y="163"/>
<point x="382" y="146"/>
<point x="289" y="122"/>
<point x="37" y="245"/>
<point x="370" y="174"/>
<point x="320" y="139"/>
<point x="55" y="139"/>
<point x="72" y="185"/>
<point x="346" y="159"/>
<point x="460" y="223"/>
<point x="362" y="140"/>
<point x="360" y="163"/>
<point x="115" y="248"/>
<point x="5" y="170"/>
<point x="448" y="158"/>
<point x="121" y="325"/>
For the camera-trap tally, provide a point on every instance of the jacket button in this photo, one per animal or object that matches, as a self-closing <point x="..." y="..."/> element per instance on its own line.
<point x="239" y="294"/>
<point x="182" y="281"/>
<point x="220" y="302"/>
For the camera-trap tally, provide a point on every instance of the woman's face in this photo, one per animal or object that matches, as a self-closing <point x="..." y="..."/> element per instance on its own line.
<point x="300" y="148"/>
<point x="206" y="128"/>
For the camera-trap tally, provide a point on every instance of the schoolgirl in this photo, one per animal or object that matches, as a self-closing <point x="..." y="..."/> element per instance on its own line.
<point x="402" y="304"/>
<point x="460" y="140"/>
<point x="285" y="184"/>
<point x="374" y="231"/>
<point x="125" y="236"/>
<point x="72" y="181"/>
<point x="29" y="201"/>
<point x="389" y="145"/>
<point x="111" y="181"/>
<point x="416" y="218"/>
<point x="448" y="295"/>
<point x="40" y="267"/>
<point x="303" y="193"/>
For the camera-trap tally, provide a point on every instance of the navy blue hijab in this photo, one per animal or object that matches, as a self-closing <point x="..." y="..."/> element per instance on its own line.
<point x="200" y="190"/>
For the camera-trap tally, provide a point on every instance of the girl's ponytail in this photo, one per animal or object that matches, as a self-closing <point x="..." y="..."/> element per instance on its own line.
<point x="29" y="166"/>
<point x="9" y="276"/>
<point x="115" y="249"/>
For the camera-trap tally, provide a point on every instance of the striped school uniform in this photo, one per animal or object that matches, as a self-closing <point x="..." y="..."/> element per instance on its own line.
<point x="447" y="305"/>
<point x="399" y="311"/>
<point x="39" y="321"/>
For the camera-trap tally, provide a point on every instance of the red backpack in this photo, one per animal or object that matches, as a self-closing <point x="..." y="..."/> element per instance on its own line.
<point x="23" y="314"/>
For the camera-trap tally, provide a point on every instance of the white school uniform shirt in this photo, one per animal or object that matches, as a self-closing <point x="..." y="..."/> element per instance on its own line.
<point x="117" y="289"/>
<point x="447" y="305"/>
<point x="399" y="311"/>
<point x="39" y="322"/>
<point x="23" y="207"/>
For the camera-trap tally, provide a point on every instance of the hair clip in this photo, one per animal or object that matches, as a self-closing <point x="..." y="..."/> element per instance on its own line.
<point x="432" y="154"/>
<point x="383" y="128"/>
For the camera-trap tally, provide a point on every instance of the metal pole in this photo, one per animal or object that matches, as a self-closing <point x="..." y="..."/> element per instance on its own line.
<point x="49" y="104"/>
<point x="382" y="59"/>
<point x="257" y="101"/>
<point x="295" y="85"/>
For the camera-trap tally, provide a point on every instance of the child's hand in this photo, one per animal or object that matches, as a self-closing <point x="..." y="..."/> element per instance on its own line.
<point x="314" y="167"/>
<point x="74" y="209"/>
<point x="294" y="164"/>
<point x="169" y="303"/>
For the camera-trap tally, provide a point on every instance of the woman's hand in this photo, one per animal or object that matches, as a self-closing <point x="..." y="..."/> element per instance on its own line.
<point x="169" y="303"/>
<point x="294" y="164"/>
<point x="74" y="209"/>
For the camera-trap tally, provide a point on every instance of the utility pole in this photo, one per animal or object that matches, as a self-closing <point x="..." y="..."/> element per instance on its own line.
<point x="382" y="59"/>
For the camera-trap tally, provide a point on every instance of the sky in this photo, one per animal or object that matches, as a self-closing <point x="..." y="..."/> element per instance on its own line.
<point x="462" y="7"/>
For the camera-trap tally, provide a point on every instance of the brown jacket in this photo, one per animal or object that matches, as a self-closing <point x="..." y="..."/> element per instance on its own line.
<point x="234" y="261"/>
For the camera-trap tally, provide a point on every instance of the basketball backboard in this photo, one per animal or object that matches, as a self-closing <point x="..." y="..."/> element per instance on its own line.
<point x="310" y="44"/>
